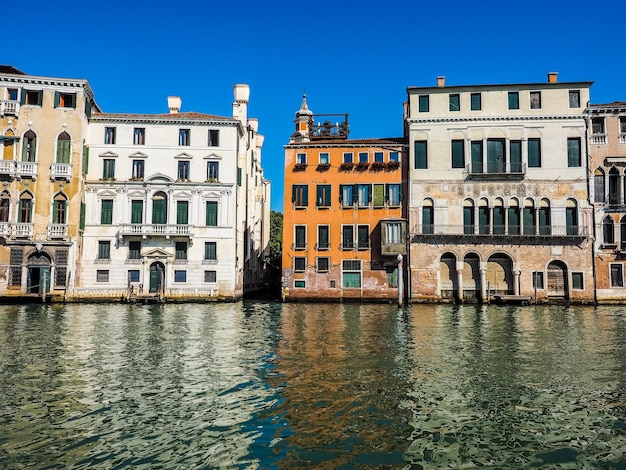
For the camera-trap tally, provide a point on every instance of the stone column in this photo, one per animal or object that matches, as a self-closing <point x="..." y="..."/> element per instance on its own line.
<point x="459" y="280"/>
<point x="483" y="282"/>
<point x="516" y="274"/>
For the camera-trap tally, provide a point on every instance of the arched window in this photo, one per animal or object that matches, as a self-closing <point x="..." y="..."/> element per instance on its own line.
<point x="428" y="217"/>
<point x="528" y="218"/>
<point x="598" y="186"/>
<point x="544" y="217"/>
<point x="483" y="217"/>
<point x="5" y="206"/>
<point x="64" y="146"/>
<point x="29" y="146"/>
<point x="571" y="217"/>
<point x="25" y="213"/>
<point x="614" y="187"/>
<point x="622" y="234"/>
<point x="608" y="231"/>
<point x="9" y="146"/>
<point x="59" y="209"/>
<point x="468" y="216"/>
<point x="498" y="217"/>
<point x="159" y="208"/>
<point x="514" y="217"/>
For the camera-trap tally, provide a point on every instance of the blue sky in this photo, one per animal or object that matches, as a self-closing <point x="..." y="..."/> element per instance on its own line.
<point x="350" y="57"/>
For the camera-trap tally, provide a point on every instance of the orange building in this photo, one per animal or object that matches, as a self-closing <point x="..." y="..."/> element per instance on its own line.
<point x="344" y="226"/>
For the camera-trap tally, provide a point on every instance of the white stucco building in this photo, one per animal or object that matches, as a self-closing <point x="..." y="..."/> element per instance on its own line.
<point x="176" y="205"/>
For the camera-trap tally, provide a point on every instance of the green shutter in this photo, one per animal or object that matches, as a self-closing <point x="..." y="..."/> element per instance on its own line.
<point x="87" y="107"/>
<point x="211" y="214"/>
<point x="379" y="195"/>
<point x="529" y="220"/>
<point x="57" y="99"/>
<point x="496" y="162"/>
<point x="477" y="156"/>
<point x="182" y="212"/>
<point x="136" y="213"/>
<point x="514" y="221"/>
<point x="468" y="220"/>
<point x="239" y="176"/>
<point x="483" y="220"/>
<point x="573" y="152"/>
<point x="23" y="96"/>
<point x="421" y="158"/>
<point x="544" y="221"/>
<point x="458" y="154"/>
<point x="571" y="221"/>
<point x="159" y="211"/>
<point x="427" y="220"/>
<point x="85" y="159"/>
<point x="81" y="223"/>
<point x="498" y="220"/>
<point x="534" y="153"/>
<point x="516" y="156"/>
<point x="106" y="213"/>
<point x="63" y="151"/>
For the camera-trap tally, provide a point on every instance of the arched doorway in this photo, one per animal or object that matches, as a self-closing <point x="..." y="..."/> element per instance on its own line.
<point x="471" y="277"/>
<point x="38" y="273"/>
<point x="499" y="276"/>
<point x="157" y="277"/>
<point x="448" y="276"/>
<point x="557" y="280"/>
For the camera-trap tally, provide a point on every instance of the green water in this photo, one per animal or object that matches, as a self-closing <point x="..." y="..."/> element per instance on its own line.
<point x="264" y="385"/>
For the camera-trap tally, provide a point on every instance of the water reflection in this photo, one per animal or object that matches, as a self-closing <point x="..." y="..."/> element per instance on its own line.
<point x="264" y="385"/>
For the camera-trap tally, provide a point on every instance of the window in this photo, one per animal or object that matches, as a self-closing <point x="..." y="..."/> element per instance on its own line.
<point x="106" y="211"/>
<point x="102" y="275"/>
<point x="483" y="217"/>
<point x="394" y="157"/>
<point x="214" y="138"/>
<point x="363" y="237"/>
<point x="300" y="158"/>
<point x="29" y="146"/>
<point x="577" y="281"/>
<point x="136" y="211"/>
<point x="351" y="273"/>
<point x="421" y="156"/>
<point x="323" y="195"/>
<point x="134" y="250"/>
<point x="323" y="237"/>
<point x="64" y="100"/>
<point x="608" y="231"/>
<point x="323" y="264"/>
<point x="64" y="147"/>
<point x="513" y="214"/>
<point x="573" y="152"/>
<point x="617" y="275"/>
<point x="496" y="157"/>
<point x="324" y="158"/>
<point x="300" y="237"/>
<point x="180" y="276"/>
<point x="458" y="154"/>
<point x="468" y="217"/>
<point x="498" y="218"/>
<point x="513" y="100"/>
<point x="5" y="204"/>
<point x="428" y="217"/>
<point x="379" y="195"/>
<point x="598" y="186"/>
<point x="59" y="209"/>
<point x="182" y="212"/>
<point x="108" y="168"/>
<point x="423" y="105"/>
<point x="138" y="169"/>
<point x="211" y="213"/>
<point x="299" y="264"/>
<point x="475" y="102"/>
<point x="392" y="275"/>
<point x="571" y="217"/>
<point x="363" y="157"/>
<point x="364" y="192"/>
<point x="574" y="98"/>
<point x="210" y="251"/>
<point x="299" y="283"/>
<point x="183" y="137"/>
<point x="393" y="233"/>
<point x="139" y="136"/>
<point x="534" y="153"/>
<point x="213" y="171"/>
<point x="528" y="218"/>
<point x="300" y="195"/>
<point x="347" y="237"/>
<point x="537" y="279"/>
<point x="544" y="218"/>
<point x="159" y="208"/>
<point x="348" y="157"/>
<point x="515" y="155"/>
<point x="133" y="275"/>
<point x="32" y="97"/>
<point x="348" y="195"/>
<point x="109" y="135"/>
<point x="25" y="209"/>
<point x="394" y="194"/>
<point x="615" y="193"/>
<point x="104" y="249"/>
<point x="210" y="276"/>
<point x="379" y="157"/>
<point x="476" y="150"/>
<point x="12" y="94"/>
<point x="455" y="102"/>
<point x="181" y="251"/>
<point x="535" y="100"/>
<point x="183" y="170"/>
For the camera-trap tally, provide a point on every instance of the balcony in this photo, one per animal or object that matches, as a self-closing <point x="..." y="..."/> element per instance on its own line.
<point x="5" y="229"/>
<point x="57" y="231"/>
<point x="622" y="138"/>
<point x="22" y="230"/>
<point x="598" y="139"/>
<point x="325" y="129"/>
<point x="26" y="170"/>
<point x="498" y="234"/>
<point x="496" y="170"/>
<point x="156" y="230"/>
<point x="9" y="108"/>
<point x="7" y="167"/>
<point x="61" y="171"/>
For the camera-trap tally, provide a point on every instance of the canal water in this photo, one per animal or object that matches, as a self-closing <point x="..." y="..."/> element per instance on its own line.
<point x="272" y="386"/>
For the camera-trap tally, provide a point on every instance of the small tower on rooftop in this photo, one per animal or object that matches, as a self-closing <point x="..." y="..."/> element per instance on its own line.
<point x="302" y="121"/>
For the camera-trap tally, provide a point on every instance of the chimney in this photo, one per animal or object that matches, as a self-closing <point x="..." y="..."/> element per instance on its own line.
<point x="441" y="81"/>
<point x="552" y="77"/>
<point x="174" y="103"/>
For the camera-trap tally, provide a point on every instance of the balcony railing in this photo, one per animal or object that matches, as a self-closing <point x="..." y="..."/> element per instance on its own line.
<point x="501" y="231"/>
<point x="329" y="126"/>
<point x="299" y="246"/>
<point x="22" y="230"/>
<point x="9" y="107"/>
<point x="598" y="139"/>
<point x="622" y="138"/>
<point x="163" y="230"/>
<point x="57" y="231"/>
<point x="26" y="169"/>
<point x="5" y="229"/>
<point x="61" y="171"/>
<point x="495" y="170"/>
<point x="7" y="167"/>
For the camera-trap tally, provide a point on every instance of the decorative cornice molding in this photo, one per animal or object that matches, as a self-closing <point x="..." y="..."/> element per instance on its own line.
<point x="567" y="117"/>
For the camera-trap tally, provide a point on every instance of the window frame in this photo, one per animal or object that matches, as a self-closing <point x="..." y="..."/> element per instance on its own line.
<point x="110" y="136"/>
<point x="423" y="103"/>
<point x="454" y="101"/>
<point x="180" y="276"/>
<point x="513" y="100"/>
<point x="614" y="282"/>
<point x="476" y="102"/>
<point x="139" y="136"/>
<point x="184" y="137"/>
<point x="534" y="99"/>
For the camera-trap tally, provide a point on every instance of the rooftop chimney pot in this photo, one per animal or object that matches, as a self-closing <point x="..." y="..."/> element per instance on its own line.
<point x="552" y="77"/>
<point x="174" y="103"/>
<point x="441" y="81"/>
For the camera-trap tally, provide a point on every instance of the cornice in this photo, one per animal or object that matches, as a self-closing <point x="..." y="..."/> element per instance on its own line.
<point x="161" y="120"/>
<point x="567" y="117"/>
